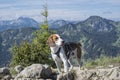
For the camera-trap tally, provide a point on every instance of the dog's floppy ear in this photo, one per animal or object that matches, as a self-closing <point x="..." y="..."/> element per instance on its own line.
<point x="48" y="42"/>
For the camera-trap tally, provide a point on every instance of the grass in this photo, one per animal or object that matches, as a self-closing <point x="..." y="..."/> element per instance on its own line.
<point x="102" y="61"/>
<point x="13" y="72"/>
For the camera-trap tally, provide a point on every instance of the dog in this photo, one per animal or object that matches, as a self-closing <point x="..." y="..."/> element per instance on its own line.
<point x="64" y="52"/>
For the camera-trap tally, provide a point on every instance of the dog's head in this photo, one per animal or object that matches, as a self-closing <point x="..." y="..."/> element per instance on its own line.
<point x="55" y="40"/>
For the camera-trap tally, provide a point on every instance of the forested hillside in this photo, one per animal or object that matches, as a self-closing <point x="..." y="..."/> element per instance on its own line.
<point x="99" y="36"/>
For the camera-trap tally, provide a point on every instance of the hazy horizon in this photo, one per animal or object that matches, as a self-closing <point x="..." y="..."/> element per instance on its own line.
<point x="60" y="9"/>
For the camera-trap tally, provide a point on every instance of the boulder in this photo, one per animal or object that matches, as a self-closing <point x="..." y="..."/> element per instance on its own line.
<point x="86" y="74"/>
<point x="35" y="71"/>
<point x="5" y="73"/>
<point x="47" y="71"/>
<point x="19" y="68"/>
<point x="7" y="77"/>
<point x="115" y="74"/>
<point x="99" y="74"/>
<point x="66" y="76"/>
<point x="29" y="79"/>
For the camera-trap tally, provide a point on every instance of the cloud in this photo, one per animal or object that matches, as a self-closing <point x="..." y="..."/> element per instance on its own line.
<point x="113" y="2"/>
<point x="68" y="14"/>
<point x="64" y="9"/>
<point x="107" y="12"/>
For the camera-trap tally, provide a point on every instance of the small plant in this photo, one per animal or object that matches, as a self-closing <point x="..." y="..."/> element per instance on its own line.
<point x="13" y="72"/>
<point x="102" y="61"/>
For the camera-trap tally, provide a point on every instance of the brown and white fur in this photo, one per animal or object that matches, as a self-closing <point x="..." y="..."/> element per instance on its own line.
<point x="55" y="42"/>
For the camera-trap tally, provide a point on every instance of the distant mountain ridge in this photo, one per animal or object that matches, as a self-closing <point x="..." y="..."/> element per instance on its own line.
<point x="58" y="23"/>
<point x="23" y="22"/>
<point x="18" y="23"/>
<point x="99" y="36"/>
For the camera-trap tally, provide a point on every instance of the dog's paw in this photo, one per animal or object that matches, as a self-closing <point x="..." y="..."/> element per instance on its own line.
<point x="71" y="68"/>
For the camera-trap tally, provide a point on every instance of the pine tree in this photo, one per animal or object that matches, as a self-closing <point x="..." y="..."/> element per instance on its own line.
<point x="37" y="51"/>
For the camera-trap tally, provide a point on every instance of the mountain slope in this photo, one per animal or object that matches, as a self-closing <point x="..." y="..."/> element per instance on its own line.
<point x="98" y="35"/>
<point x="9" y="37"/>
<point x="23" y="22"/>
<point x="57" y="23"/>
<point x="18" y="23"/>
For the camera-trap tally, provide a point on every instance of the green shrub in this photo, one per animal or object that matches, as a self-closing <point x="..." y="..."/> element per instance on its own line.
<point x="37" y="51"/>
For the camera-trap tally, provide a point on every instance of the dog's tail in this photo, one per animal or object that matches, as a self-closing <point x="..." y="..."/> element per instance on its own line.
<point x="79" y="50"/>
<point x="80" y="47"/>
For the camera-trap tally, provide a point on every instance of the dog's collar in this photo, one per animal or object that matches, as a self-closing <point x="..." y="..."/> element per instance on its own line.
<point x="57" y="53"/>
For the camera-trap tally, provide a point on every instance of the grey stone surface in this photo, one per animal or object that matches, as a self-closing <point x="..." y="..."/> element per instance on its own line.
<point x="19" y="68"/>
<point x="44" y="72"/>
<point x="35" y="71"/>
<point x="66" y="76"/>
<point x="5" y="74"/>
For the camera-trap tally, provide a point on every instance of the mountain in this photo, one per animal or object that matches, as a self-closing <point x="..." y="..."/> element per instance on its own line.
<point x="22" y="22"/>
<point x="10" y="37"/>
<point x="99" y="24"/>
<point x="57" y="23"/>
<point x="99" y="36"/>
<point x="18" y="23"/>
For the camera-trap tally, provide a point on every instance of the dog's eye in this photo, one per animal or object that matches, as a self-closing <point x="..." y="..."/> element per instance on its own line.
<point x="56" y="38"/>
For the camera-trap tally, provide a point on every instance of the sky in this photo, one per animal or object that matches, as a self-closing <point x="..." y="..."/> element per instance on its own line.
<point x="60" y="9"/>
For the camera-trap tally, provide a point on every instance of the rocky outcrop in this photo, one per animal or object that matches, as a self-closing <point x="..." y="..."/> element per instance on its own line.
<point x="99" y="74"/>
<point x="5" y="73"/>
<point x="19" y="68"/>
<point x="44" y="72"/>
<point x="36" y="71"/>
<point x="66" y="76"/>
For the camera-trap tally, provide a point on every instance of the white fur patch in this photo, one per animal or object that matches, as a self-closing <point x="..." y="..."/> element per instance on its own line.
<point x="59" y="41"/>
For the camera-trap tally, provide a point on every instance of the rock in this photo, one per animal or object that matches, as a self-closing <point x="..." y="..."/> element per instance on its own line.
<point x="92" y="75"/>
<point x="7" y="77"/>
<point x="102" y="72"/>
<point x="115" y="73"/>
<point x="110" y="66"/>
<point x="99" y="67"/>
<point x="28" y="79"/>
<point x="66" y="76"/>
<point x="44" y="72"/>
<point x="19" y="68"/>
<point x="4" y="70"/>
<point x="48" y="79"/>
<point x="5" y="73"/>
<point x="36" y="71"/>
<point x="59" y="77"/>
<point x="47" y="71"/>
<point x="88" y="75"/>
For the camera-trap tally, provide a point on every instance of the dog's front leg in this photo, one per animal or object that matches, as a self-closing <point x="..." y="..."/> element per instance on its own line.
<point x="65" y="62"/>
<point x="58" y="64"/>
<point x="71" y="65"/>
<point x="65" y="65"/>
